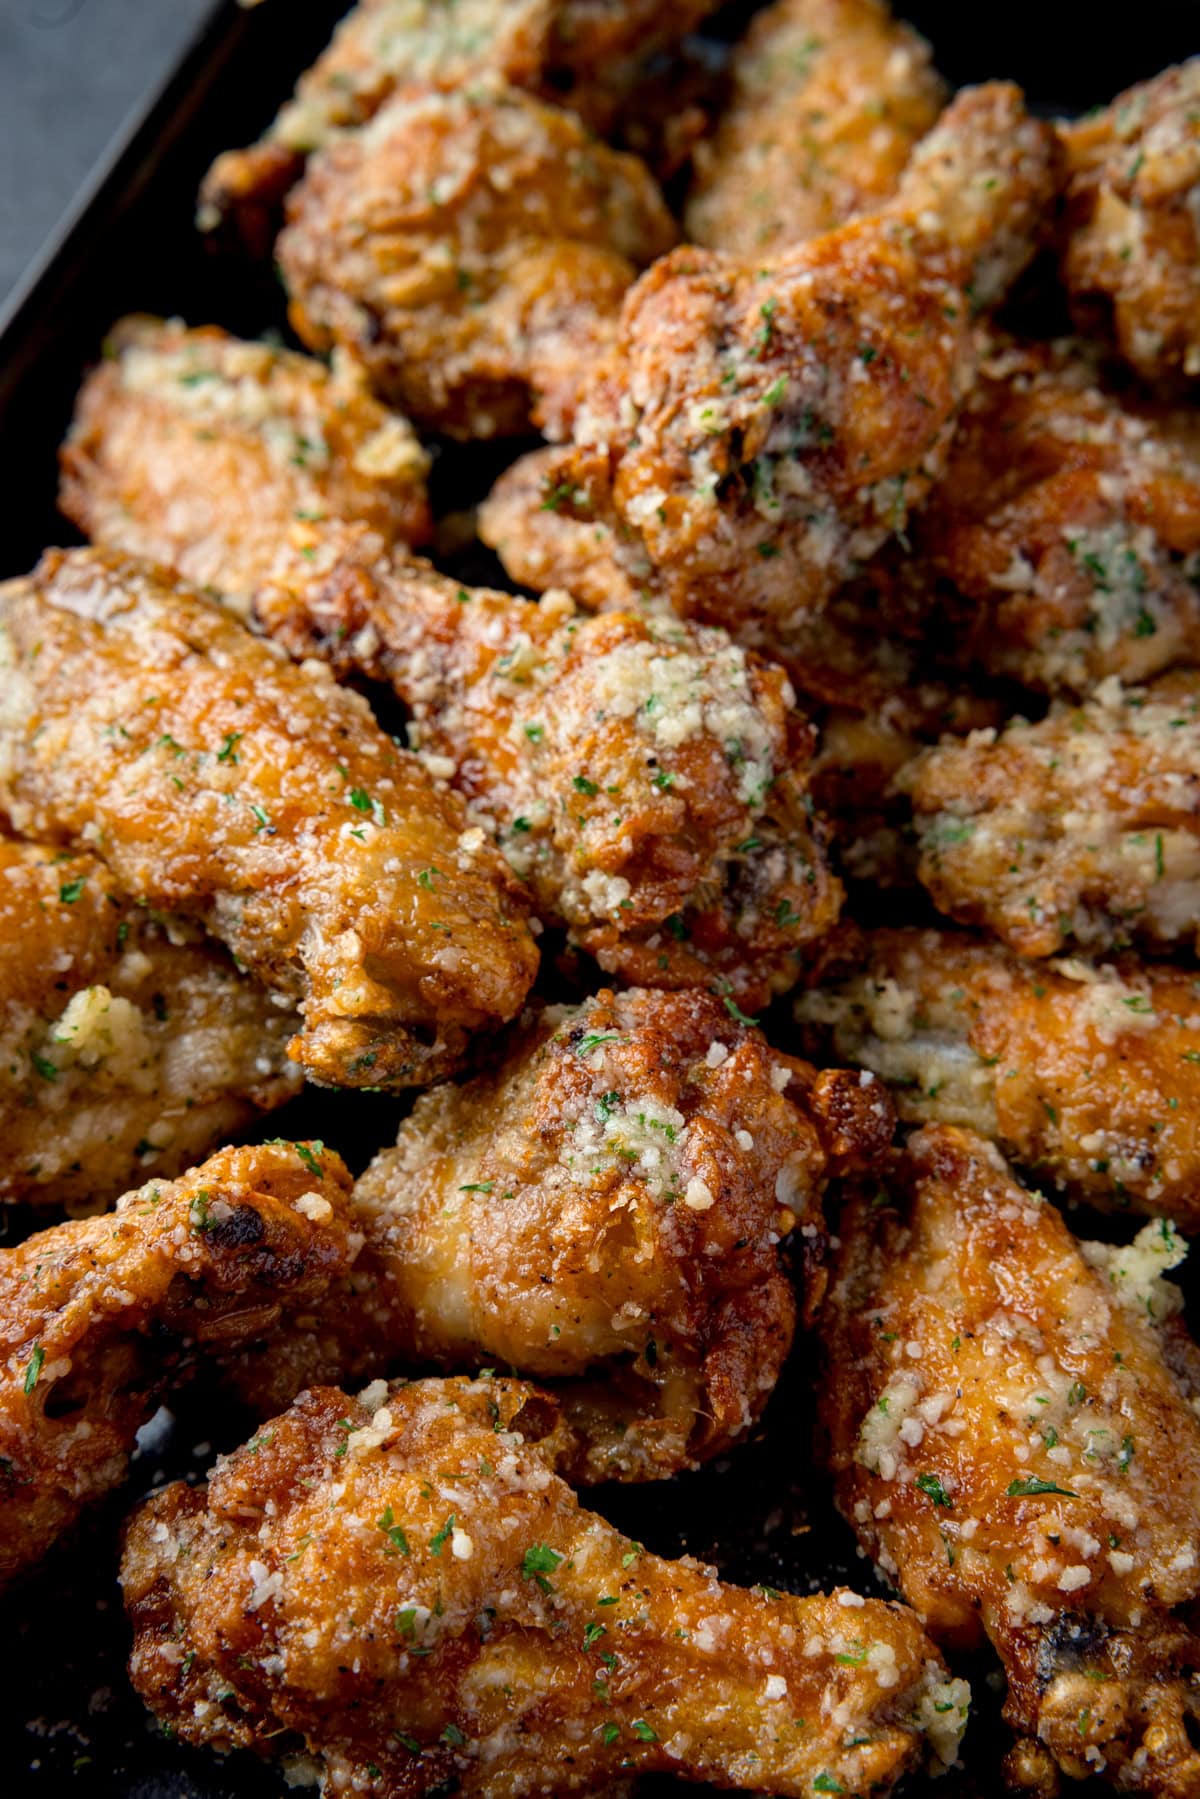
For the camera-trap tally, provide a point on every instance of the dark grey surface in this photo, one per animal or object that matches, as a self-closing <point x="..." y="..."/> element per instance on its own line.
<point x="70" y="73"/>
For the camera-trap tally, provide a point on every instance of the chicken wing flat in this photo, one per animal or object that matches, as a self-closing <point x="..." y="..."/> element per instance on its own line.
<point x="127" y="1048"/>
<point x="1082" y="828"/>
<point x="759" y="430"/>
<point x="1012" y="1447"/>
<point x="829" y="98"/>
<point x="1086" y="1074"/>
<point x="179" y="432"/>
<point x="220" y="783"/>
<point x="100" y="1316"/>
<point x="1132" y="255"/>
<point x="402" y="1588"/>
<point x="471" y="250"/>
<point x="606" y="1211"/>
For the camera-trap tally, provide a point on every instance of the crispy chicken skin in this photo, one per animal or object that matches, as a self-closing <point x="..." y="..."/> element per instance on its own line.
<point x="99" y="1316"/>
<point x="179" y="432"/>
<point x="127" y="1048"/>
<point x="220" y="783"/>
<point x="828" y="99"/>
<point x="1132" y="253"/>
<point x="1084" y="827"/>
<point x="605" y="1210"/>
<point x="1087" y="1074"/>
<point x="403" y="1588"/>
<point x="759" y="430"/>
<point x="1011" y="1446"/>
<point x="471" y="250"/>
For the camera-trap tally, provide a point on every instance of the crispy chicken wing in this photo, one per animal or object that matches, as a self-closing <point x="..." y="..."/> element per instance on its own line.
<point x="1012" y="1447"/>
<point x="1087" y="1074"/>
<point x="829" y="98"/>
<point x="472" y="251"/>
<point x="220" y="783"/>
<point x="605" y="1210"/>
<point x="177" y="433"/>
<point x="127" y="1047"/>
<point x="403" y="1588"/>
<point x="1083" y="827"/>
<point x="1132" y="254"/>
<point x="98" y="1318"/>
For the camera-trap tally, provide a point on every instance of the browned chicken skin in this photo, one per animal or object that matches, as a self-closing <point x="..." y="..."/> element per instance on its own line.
<point x="1011" y="1446"/>
<point x="128" y="1048"/>
<point x="100" y="1316"/>
<point x="222" y="784"/>
<point x="403" y="1588"/>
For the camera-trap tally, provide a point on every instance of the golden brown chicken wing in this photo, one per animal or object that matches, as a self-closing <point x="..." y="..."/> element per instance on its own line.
<point x="1084" y="827"/>
<point x="98" y="1318"/>
<point x="605" y="1210"/>
<point x="128" y="1048"/>
<point x="1012" y="1447"/>
<point x="218" y="782"/>
<point x="402" y="1588"/>
<point x="1086" y="1073"/>
<point x="179" y="432"/>
<point x="1132" y="255"/>
<point x="471" y="250"/>
<point x="828" y="99"/>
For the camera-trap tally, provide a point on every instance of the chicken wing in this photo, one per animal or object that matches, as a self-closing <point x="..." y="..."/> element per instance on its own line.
<point x="402" y="1588"/>
<point x="828" y="99"/>
<point x="1087" y="1074"/>
<point x="471" y="250"/>
<point x="1084" y="827"/>
<point x="606" y="1211"/>
<point x="100" y="1316"/>
<point x="1012" y="1447"/>
<point x="759" y="431"/>
<point x="177" y="432"/>
<point x="127" y="1047"/>
<point x="219" y="783"/>
<point x="1131" y="260"/>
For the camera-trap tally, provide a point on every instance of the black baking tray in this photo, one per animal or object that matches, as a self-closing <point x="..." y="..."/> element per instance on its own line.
<point x="68" y="1721"/>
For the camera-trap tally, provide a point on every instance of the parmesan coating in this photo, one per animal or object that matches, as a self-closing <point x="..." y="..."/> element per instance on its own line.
<point x="220" y="783"/>
<point x="128" y="1047"/>
<point x="100" y="1317"/>
<point x="402" y="1588"/>
<point x="1011" y="1446"/>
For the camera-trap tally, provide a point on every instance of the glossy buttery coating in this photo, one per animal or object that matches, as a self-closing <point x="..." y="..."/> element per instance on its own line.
<point x="605" y="1210"/>
<point x="1132" y="253"/>
<point x="759" y="430"/>
<point x="220" y="783"/>
<point x="1088" y="1074"/>
<point x="828" y="99"/>
<point x="177" y="432"/>
<point x="1011" y="1445"/>
<point x="100" y="1316"/>
<point x="1084" y="827"/>
<point x="128" y="1047"/>
<point x="472" y="251"/>
<point x="403" y="1589"/>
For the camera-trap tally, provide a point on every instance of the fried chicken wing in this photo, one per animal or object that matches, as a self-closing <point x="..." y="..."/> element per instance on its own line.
<point x="471" y="250"/>
<point x="828" y="99"/>
<point x="759" y="431"/>
<point x="1012" y="1447"/>
<point x="220" y="783"/>
<point x="1084" y="827"/>
<point x="1132" y="254"/>
<point x="1087" y="1074"/>
<point x="100" y="1316"/>
<point x="179" y="432"/>
<point x="127" y="1048"/>
<point x="402" y="1588"/>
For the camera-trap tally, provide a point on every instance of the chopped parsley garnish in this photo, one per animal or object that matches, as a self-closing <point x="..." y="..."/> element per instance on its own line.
<point x="641" y="1729"/>
<point x="70" y="891"/>
<point x="228" y="750"/>
<point x="438" y="1541"/>
<point x="933" y="1488"/>
<point x="397" y="1541"/>
<point x="1032" y="1487"/>
<point x="539" y="1561"/>
<point x="34" y="1367"/>
<point x="594" y="1040"/>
